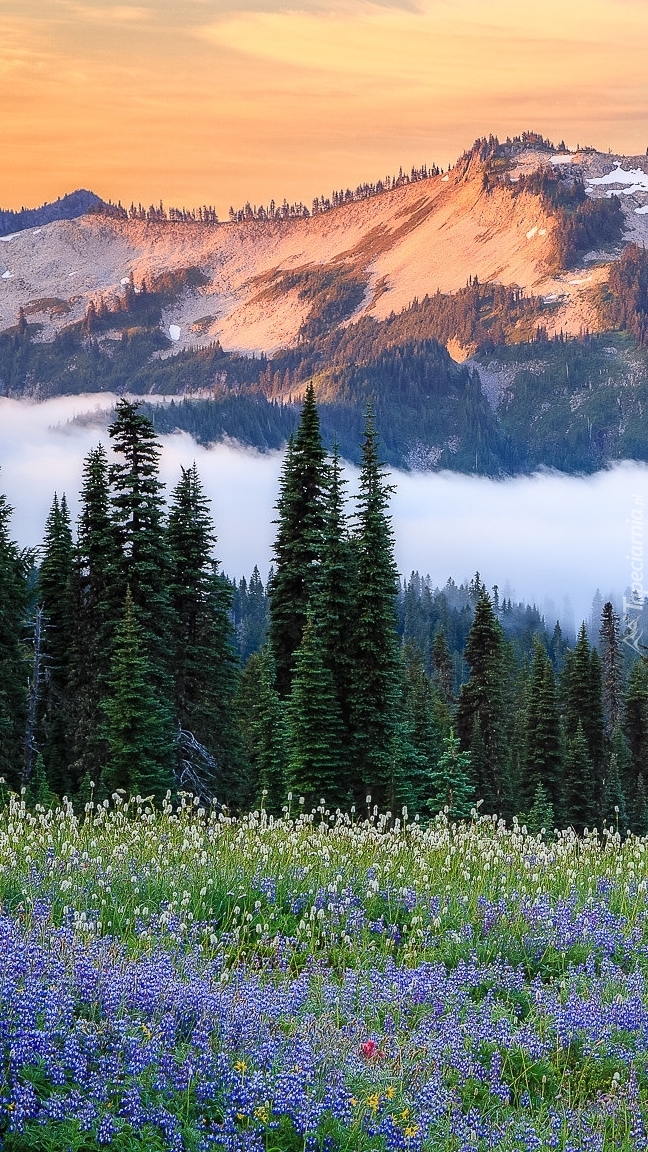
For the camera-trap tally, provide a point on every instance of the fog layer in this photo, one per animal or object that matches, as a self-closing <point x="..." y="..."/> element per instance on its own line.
<point x="542" y="538"/>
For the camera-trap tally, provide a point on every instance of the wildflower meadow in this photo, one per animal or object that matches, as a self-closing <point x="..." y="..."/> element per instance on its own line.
<point x="176" y="978"/>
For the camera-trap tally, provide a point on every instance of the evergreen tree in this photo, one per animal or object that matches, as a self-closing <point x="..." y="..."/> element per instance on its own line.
<point x="54" y="593"/>
<point x="317" y="760"/>
<point x="298" y="545"/>
<point x="636" y="721"/>
<point x="482" y="720"/>
<point x="583" y="697"/>
<point x="518" y="737"/>
<point x="611" y="665"/>
<point x="14" y="566"/>
<point x="421" y="723"/>
<point x="205" y="667"/>
<point x="138" y="513"/>
<point x="265" y="731"/>
<point x="376" y="690"/>
<point x="620" y="750"/>
<point x="38" y="789"/>
<point x="557" y="649"/>
<point x="543" y="751"/>
<point x="450" y="781"/>
<point x="541" y="813"/>
<point x="335" y="599"/>
<point x="254" y="612"/>
<point x="138" y="729"/>
<point x="96" y="613"/>
<point x="614" y="807"/>
<point x="443" y="668"/>
<point x="639" y="809"/>
<point x="580" y="800"/>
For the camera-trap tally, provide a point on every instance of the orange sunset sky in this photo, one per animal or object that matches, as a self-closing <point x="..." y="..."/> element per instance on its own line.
<point x="220" y="101"/>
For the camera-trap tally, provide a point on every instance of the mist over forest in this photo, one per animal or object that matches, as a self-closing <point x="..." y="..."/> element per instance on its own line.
<point x="549" y="539"/>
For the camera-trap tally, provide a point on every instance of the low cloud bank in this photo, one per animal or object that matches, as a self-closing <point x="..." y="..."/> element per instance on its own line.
<point x="546" y="538"/>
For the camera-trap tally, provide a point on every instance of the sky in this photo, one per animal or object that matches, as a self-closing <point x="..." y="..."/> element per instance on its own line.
<point x="221" y="101"/>
<point x="541" y="538"/>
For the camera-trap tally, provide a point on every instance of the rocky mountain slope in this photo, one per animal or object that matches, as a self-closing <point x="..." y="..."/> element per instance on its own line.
<point x="518" y="242"/>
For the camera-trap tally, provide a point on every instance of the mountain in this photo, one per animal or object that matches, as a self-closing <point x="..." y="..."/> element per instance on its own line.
<point x="458" y="303"/>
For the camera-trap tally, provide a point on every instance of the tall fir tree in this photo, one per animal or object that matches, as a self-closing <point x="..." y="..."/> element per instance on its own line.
<point x="138" y="728"/>
<point x="264" y="728"/>
<point x="336" y="593"/>
<point x="543" y="745"/>
<point x="317" y="757"/>
<point x="443" y="668"/>
<point x="254" y="625"/>
<point x="583" y="702"/>
<point x="96" y="613"/>
<point x="205" y="665"/>
<point x="138" y="515"/>
<point x="14" y="668"/>
<point x="376" y="688"/>
<point x="482" y="720"/>
<point x="580" y="803"/>
<point x="55" y="598"/>
<point x="611" y="667"/>
<point x="636" y="723"/>
<point x="639" y="808"/>
<point x="420" y="709"/>
<point x="298" y="544"/>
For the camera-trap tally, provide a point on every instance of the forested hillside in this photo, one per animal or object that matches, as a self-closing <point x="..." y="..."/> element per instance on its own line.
<point x="128" y="661"/>
<point x="65" y="208"/>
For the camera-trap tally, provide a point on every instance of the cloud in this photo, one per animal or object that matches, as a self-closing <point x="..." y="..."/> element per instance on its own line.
<point x="546" y="536"/>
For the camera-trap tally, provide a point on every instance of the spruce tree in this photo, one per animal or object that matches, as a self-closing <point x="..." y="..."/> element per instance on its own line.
<point x="14" y="668"/>
<point x="55" y="598"/>
<point x="639" y="808"/>
<point x="583" y="697"/>
<point x="298" y="544"/>
<point x="421" y="726"/>
<point x="138" y="514"/>
<point x="543" y="746"/>
<point x="611" y="665"/>
<point x="335" y="593"/>
<point x="450" y="785"/>
<point x="96" y="613"/>
<point x="205" y="666"/>
<point x="254" y="624"/>
<point x="443" y="668"/>
<point x="578" y="697"/>
<point x="262" y="719"/>
<point x="317" y="760"/>
<point x="620" y="750"/>
<point x="636" y="721"/>
<point x="580" y="784"/>
<point x="541" y="813"/>
<point x="482" y="721"/>
<point x="138" y="728"/>
<point x="376" y="689"/>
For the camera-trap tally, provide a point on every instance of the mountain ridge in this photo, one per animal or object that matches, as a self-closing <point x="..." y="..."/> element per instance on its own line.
<point x="519" y="245"/>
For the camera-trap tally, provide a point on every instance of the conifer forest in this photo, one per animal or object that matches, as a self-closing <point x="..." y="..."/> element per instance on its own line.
<point x="130" y="661"/>
<point x="329" y="861"/>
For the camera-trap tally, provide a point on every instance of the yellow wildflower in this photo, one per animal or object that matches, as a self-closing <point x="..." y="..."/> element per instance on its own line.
<point x="241" y="1067"/>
